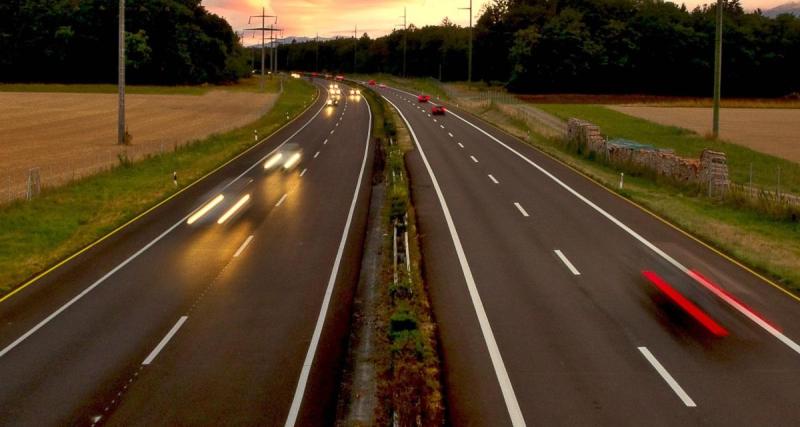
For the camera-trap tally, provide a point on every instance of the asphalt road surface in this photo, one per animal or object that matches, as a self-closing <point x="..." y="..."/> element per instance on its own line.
<point x="241" y="322"/>
<point x="545" y="316"/>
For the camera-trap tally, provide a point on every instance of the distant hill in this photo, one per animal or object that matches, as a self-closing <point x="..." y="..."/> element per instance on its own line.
<point x="792" y="8"/>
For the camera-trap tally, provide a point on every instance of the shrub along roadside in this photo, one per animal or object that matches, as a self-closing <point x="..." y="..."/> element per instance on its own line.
<point x="37" y="234"/>
<point x="406" y="356"/>
<point x="768" y="246"/>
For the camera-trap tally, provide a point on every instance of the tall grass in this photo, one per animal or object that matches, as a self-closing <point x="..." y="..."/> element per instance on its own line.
<point x="767" y="171"/>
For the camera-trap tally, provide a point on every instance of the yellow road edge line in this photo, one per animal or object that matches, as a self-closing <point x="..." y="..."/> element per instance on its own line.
<point x="31" y="281"/>
<point x="732" y="260"/>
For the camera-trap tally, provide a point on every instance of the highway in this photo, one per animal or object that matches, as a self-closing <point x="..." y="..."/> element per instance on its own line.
<point x="208" y="310"/>
<point x="537" y="277"/>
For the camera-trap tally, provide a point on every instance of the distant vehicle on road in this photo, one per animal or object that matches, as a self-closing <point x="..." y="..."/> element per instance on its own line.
<point x="382" y="85"/>
<point x="424" y="98"/>
<point x="438" y="110"/>
<point x="332" y="102"/>
<point x="372" y="82"/>
<point x="339" y="78"/>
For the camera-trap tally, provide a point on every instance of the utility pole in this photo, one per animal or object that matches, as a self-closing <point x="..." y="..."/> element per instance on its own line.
<point x="717" y="68"/>
<point x="121" y="75"/>
<point x="405" y="38"/>
<point x="469" y="53"/>
<point x="355" y="47"/>
<point x="263" y="30"/>
<point x="316" y="39"/>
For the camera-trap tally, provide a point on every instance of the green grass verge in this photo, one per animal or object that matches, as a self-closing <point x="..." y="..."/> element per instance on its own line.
<point x="250" y="85"/>
<point x="686" y="143"/>
<point x="768" y="246"/>
<point x="35" y="235"/>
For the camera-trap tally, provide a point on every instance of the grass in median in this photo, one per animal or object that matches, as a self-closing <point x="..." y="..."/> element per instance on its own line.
<point x="37" y="234"/>
<point x="769" y="172"/>
<point x="428" y="86"/>
<point x="409" y="381"/>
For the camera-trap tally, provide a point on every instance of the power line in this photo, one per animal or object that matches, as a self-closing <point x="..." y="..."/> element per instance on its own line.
<point x="717" y="68"/>
<point x="263" y="30"/>
<point x="121" y="75"/>
<point x="469" y="54"/>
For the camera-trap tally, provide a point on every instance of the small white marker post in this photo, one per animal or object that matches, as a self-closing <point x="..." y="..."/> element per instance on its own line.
<point x="255" y="135"/>
<point x="621" y="179"/>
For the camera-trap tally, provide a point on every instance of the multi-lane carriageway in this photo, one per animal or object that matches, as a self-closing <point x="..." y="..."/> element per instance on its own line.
<point x="545" y="288"/>
<point x="544" y="285"/>
<point x="239" y="322"/>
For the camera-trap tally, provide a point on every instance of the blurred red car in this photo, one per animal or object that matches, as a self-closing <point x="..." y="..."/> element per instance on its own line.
<point x="424" y="98"/>
<point x="372" y="82"/>
<point x="438" y="110"/>
<point x="339" y="78"/>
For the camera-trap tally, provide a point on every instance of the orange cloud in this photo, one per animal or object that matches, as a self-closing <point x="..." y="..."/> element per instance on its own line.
<point x="330" y="18"/>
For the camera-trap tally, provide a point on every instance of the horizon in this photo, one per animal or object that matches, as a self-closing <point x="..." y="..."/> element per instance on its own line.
<point x="330" y="18"/>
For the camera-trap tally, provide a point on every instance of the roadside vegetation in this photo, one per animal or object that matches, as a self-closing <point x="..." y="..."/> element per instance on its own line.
<point x="37" y="234"/>
<point x="249" y="84"/>
<point x="406" y="354"/>
<point x="769" y="244"/>
<point x="766" y="241"/>
<point x="765" y="168"/>
<point x="167" y="42"/>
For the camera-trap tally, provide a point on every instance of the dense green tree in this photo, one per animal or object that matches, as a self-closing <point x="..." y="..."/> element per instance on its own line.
<point x="167" y="41"/>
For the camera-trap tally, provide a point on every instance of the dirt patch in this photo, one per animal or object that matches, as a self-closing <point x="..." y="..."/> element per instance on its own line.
<point x="771" y="131"/>
<point x="70" y="135"/>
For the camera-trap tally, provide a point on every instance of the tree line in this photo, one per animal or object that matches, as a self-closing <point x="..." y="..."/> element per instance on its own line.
<point x="167" y="42"/>
<point x="599" y="46"/>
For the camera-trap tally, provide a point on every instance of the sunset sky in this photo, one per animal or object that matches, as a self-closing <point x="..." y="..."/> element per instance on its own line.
<point x="330" y="18"/>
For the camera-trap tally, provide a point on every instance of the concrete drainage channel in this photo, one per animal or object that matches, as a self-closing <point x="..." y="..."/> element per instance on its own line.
<point x="393" y="373"/>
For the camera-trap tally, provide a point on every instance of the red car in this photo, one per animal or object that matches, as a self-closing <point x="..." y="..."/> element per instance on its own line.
<point x="424" y="98"/>
<point x="372" y="82"/>
<point x="438" y="110"/>
<point x="339" y="78"/>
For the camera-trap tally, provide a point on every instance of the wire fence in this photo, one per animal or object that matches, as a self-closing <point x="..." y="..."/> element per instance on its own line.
<point x="28" y="184"/>
<point x="755" y="184"/>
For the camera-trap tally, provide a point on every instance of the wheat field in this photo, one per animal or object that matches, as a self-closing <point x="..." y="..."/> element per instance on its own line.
<point x="71" y="135"/>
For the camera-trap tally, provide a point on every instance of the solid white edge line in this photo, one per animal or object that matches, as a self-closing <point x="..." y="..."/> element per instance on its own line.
<point x="297" y="400"/>
<point x="494" y="180"/>
<point x="510" y="398"/>
<point x="521" y="210"/>
<point x="244" y="245"/>
<point x="794" y="346"/>
<point x="667" y="377"/>
<point x="280" y="202"/>
<point x="99" y="281"/>
<point x="567" y="262"/>
<point x="164" y="341"/>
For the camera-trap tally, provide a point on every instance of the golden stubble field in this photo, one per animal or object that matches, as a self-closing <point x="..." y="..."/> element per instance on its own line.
<point x="768" y="130"/>
<point x="70" y="135"/>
